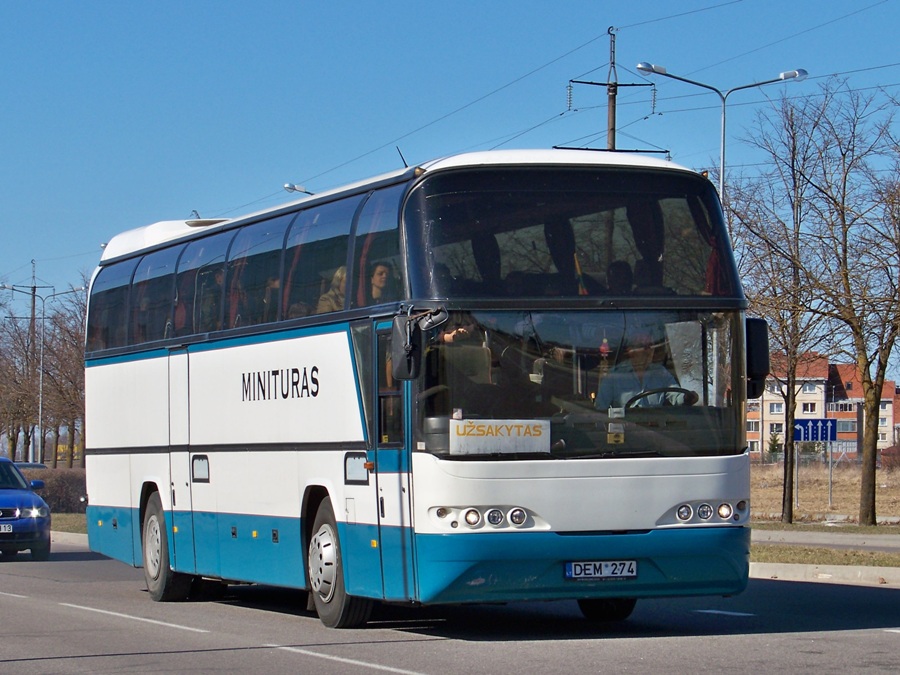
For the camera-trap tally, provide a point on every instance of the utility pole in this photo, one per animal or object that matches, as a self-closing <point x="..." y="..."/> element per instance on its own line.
<point x="612" y="89"/>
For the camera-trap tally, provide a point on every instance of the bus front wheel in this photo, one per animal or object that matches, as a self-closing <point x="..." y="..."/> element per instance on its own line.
<point x="607" y="609"/>
<point x="325" y="564"/>
<point x="164" y="584"/>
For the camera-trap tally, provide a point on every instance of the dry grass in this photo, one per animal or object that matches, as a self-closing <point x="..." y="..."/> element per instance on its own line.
<point x="767" y="485"/>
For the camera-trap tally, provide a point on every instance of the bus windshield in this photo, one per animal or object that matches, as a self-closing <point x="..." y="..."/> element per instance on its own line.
<point x="578" y="384"/>
<point x="537" y="232"/>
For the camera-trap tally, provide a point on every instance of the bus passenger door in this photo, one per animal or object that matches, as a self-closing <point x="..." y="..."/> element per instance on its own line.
<point x="182" y="546"/>
<point x="392" y="465"/>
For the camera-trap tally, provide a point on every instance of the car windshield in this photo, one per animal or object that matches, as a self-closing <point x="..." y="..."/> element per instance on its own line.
<point x="11" y="478"/>
<point x="577" y="384"/>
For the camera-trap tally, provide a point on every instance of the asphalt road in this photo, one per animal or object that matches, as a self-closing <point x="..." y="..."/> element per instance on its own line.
<point x="82" y="613"/>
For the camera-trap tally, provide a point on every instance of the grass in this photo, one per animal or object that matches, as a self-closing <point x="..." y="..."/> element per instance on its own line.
<point x="805" y="555"/>
<point x="70" y="522"/>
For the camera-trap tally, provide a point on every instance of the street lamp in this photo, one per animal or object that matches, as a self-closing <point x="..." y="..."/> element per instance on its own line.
<point x="291" y="187"/>
<point x="653" y="69"/>
<point x="43" y="299"/>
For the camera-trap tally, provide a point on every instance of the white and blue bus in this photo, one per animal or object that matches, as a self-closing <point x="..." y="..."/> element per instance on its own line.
<point x="499" y="376"/>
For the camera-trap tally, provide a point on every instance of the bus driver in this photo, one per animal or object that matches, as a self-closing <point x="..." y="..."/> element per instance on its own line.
<point x="639" y="373"/>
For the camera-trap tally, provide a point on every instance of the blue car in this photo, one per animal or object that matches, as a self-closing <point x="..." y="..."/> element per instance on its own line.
<point x="24" y="516"/>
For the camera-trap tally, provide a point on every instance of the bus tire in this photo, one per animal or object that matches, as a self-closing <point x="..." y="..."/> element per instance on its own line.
<point x="164" y="584"/>
<point x="325" y="566"/>
<point x="607" y="609"/>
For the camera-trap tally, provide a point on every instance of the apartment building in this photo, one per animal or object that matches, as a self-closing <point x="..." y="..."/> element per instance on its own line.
<point x="825" y="391"/>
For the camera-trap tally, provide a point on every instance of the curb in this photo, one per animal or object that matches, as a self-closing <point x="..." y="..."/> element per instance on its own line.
<point x="834" y="574"/>
<point x="68" y="538"/>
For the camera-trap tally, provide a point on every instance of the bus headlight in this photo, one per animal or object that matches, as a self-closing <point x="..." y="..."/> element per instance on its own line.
<point x="518" y="516"/>
<point x="684" y="512"/>
<point x="494" y="517"/>
<point x="725" y="511"/>
<point x="472" y="517"/>
<point x="704" y="511"/>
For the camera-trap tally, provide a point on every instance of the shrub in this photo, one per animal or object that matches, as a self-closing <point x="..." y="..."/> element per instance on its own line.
<point x="890" y="459"/>
<point x="63" y="488"/>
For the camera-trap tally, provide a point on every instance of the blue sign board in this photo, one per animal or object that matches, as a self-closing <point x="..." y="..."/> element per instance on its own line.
<point x="815" y="430"/>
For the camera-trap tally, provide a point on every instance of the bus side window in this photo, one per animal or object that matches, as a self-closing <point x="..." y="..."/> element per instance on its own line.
<point x="108" y="321"/>
<point x="316" y="249"/>
<point x="254" y="272"/>
<point x="152" y="294"/>
<point x="199" y="282"/>
<point x="377" y="243"/>
<point x="390" y="408"/>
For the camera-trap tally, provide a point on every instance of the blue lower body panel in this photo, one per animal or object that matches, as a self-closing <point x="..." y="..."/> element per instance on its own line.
<point x="531" y="566"/>
<point x="112" y="532"/>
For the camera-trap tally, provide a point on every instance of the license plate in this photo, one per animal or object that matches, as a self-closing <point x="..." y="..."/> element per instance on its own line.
<point x="5" y="528"/>
<point x="602" y="569"/>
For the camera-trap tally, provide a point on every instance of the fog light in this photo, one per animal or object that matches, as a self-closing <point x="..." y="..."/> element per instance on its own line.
<point x="684" y="512"/>
<point x="472" y="517"/>
<point x="725" y="511"/>
<point x="742" y="505"/>
<point x="704" y="511"/>
<point x="494" y="516"/>
<point x="518" y="516"/>
<point x="442" y="512"/>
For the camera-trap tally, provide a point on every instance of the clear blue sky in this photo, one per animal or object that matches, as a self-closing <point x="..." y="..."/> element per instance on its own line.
<point x="118" y="114"/>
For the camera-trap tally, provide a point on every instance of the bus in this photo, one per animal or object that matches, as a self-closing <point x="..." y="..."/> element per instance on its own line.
<point x="493" y="377"/>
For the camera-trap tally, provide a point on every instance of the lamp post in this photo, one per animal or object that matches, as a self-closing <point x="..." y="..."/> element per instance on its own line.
<point x="653" y="69"/>
<point x="43" y="299"/>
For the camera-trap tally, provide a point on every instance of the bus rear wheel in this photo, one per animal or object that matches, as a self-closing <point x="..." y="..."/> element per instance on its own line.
<point x="325" y="565"/>
<point x="607" y="609"/>
<point x="164" y="584"/>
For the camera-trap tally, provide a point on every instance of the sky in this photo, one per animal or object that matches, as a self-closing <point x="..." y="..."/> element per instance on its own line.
<point x="115" y="115"/>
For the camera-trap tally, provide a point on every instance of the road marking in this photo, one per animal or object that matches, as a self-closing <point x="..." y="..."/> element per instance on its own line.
<point x="134" y="618"/>
<point x="721" y="612"/>
<point x="14" y="595"/>
<point x="340" y="659"/>
<point x="892" y="630"/>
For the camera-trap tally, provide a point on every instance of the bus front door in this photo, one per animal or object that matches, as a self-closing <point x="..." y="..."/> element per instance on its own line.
<point x="392" y="466"/>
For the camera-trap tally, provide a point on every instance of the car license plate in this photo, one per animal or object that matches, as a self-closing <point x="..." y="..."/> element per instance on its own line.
<point x="602" y="569"/>
<point x="5" y="528"/>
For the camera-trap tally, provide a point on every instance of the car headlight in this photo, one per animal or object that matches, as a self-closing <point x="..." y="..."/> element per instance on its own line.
<point x="34" y="512"/>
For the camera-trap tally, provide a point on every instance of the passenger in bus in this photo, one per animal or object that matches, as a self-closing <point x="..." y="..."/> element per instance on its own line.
<point x="211" y="300"/>
<point x="381" y="284"/>
<point x="332" y="300"/>
<point x="639" y="373"/>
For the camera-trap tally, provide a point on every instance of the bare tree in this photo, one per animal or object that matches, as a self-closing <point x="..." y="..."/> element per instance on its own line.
<point x="843" y="250"/>
<point x="18" y="392"/>
<point x="767" y="214"/>
<point x="64" y="370"/>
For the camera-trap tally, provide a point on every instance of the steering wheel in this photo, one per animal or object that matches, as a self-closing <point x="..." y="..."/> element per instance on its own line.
<point x="661" y="390"/>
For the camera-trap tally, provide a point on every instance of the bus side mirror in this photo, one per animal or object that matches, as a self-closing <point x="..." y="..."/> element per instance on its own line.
<point x="406" y="341"/>
<point x="757" y="356"/>
<point x="406" y="348"/>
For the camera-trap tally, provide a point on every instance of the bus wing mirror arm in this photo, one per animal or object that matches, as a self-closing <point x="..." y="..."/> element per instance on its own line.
<point x="757" y="331"/>
<point x="406" y="340"/>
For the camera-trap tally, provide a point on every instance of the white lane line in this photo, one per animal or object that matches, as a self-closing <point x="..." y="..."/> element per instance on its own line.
<point x="340" y="659"/>
<point x="892" y="630"/>
<point x="135" y="618"/>
<point x="721" y="612"/>
<point x="14" y="595"/>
